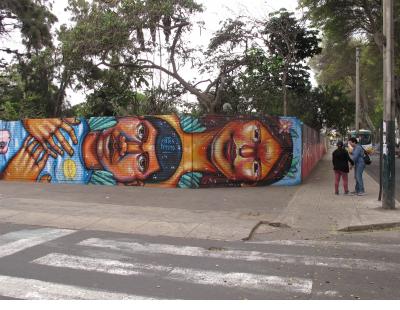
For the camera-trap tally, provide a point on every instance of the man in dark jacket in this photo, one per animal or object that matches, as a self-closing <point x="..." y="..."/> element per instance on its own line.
<point x="340" y="160"/>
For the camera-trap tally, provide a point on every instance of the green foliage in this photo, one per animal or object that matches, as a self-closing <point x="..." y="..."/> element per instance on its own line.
<point x="28" y="79"/>
<point x="287" y="38"/>
<point x="104" y="52"/>
<point x="27" y="88"/>
<point x="258" y="87"/>
<point x="271" y="69"/>
<point x="109" y="52"/>
<point x="347" y="24"/>
<point x="343" y="19"/>
<point x="32" y="18"/>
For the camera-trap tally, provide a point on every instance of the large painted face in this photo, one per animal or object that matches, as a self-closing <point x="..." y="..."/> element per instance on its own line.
<point x="127" y="150"/>
<point x="245" y="151"/>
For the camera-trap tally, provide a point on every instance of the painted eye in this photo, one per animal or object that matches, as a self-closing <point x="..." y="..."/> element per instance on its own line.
<point x="257" y="136"/>
<point x="256" y="168"/>
<point x="141" y="132"/>
<point x="142" y="162"/>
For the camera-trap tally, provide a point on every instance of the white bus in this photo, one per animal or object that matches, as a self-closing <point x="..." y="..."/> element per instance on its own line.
<point x="364" y="137"/>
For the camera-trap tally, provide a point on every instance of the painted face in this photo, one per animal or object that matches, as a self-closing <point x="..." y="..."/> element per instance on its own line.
<point x="4" y="140"/>
<point x="245" y="151"/>
<point x="127" y="150"/>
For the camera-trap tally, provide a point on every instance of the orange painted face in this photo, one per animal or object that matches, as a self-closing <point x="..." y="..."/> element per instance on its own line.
<point x="127" y="150"/>
<point x="245" y="151"/>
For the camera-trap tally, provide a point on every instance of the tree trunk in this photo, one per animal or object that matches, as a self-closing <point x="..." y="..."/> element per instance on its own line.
<point x="65" y="79"/>
<point x="284" y="89"/>
<point x="285" y="104"/>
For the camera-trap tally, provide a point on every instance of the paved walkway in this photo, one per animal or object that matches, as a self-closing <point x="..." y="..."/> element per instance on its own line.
<point x="220" y="213"/>
<point x="315" y="211"/>
<point x="307" y="211"/>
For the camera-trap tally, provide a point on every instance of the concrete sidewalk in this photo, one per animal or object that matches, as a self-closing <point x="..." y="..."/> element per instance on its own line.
<point x="315" y="211"/>
<point x="220" y="213"/>
<point x="310" y="210"/>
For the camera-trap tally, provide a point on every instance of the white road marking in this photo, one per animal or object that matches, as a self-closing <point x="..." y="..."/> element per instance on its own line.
<point x="14" y="242"/>
<point x="331" y="262"/>
<point x="188" y="275"/>
<point x="35" y="289"/>
<point x="391" y="248"/>
<point x="98" y="264"/>
<point x="242" y="280"/>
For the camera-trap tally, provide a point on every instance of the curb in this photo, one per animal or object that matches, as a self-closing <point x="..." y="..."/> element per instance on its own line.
<point x="377" y="226"/>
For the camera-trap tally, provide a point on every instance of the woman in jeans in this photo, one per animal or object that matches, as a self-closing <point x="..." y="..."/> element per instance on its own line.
<point x="340" y="160"/>
<point x="358" y="158"/>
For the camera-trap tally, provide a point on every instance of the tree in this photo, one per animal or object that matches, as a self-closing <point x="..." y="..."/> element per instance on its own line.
<point x="290" y="42"/>
<point x="325" y="107"/>
<point x="138" y="30"/>
<point x="32" y="18"/>
<point x="35" y="66"/>
<point x="275" y="51"/>
<point x="335" y="66"/>
<point x="28" y="86"/>
<point x="344" y="20"/>
<point x="134" y="31"/>
<point x="258" y="88"/>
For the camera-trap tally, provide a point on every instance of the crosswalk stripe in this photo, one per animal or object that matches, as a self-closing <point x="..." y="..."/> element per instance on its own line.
<point x="22" y="288"/>
<point x="98" y="264"/>
<point x="392" y="248"/>
<point x="188" y="275"/>
<point x="14" y="242"/>
<point x="331" y="262"/>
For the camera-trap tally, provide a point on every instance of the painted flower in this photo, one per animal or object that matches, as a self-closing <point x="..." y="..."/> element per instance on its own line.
<point x="285" y="126"/>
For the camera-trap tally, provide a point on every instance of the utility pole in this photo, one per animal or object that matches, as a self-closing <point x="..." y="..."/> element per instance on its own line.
<point x="357" y="120"/>
<point x="388" y="201"/>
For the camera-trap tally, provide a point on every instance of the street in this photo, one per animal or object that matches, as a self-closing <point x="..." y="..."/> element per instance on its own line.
<point x="106" y="242"/>
<point x="373" y="171"/>
<point x="51" y="263"/>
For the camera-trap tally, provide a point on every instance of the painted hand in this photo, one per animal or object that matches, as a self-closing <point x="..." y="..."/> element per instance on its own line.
<point x="44" y="130"/>
<point x="27" y="163"/>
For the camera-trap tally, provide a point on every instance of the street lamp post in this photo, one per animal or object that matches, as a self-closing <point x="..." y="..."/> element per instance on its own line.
<point x="357" y="120"/>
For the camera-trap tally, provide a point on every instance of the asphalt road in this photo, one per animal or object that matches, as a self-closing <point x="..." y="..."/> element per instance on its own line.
<point x="50" y="263"/>
<point x="373" y="171"/>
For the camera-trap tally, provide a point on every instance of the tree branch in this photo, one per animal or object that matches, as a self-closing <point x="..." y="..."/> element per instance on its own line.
<point x="208" y="80"/>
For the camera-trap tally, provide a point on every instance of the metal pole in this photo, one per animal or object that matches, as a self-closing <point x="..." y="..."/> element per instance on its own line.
<point x="380" y="161"/>
<point x="357" y="120"/>
<point x="388" y="201"/>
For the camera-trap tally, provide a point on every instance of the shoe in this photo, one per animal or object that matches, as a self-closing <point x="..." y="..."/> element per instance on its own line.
<point x="347" y="193"/>
<point x="361" y="194"/>
<point x="336" y="193"/>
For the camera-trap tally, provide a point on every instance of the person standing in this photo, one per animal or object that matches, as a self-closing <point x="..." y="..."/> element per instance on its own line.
<point x="341" y="160"/>
<point x="359" y="164"/>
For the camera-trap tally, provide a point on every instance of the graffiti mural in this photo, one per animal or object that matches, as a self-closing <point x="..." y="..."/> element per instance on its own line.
<point x="164" y="151"/>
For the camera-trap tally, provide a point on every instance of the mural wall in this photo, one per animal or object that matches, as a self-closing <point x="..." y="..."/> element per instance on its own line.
<point x="314" y="147"/>
<point x="163" y="151"/>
